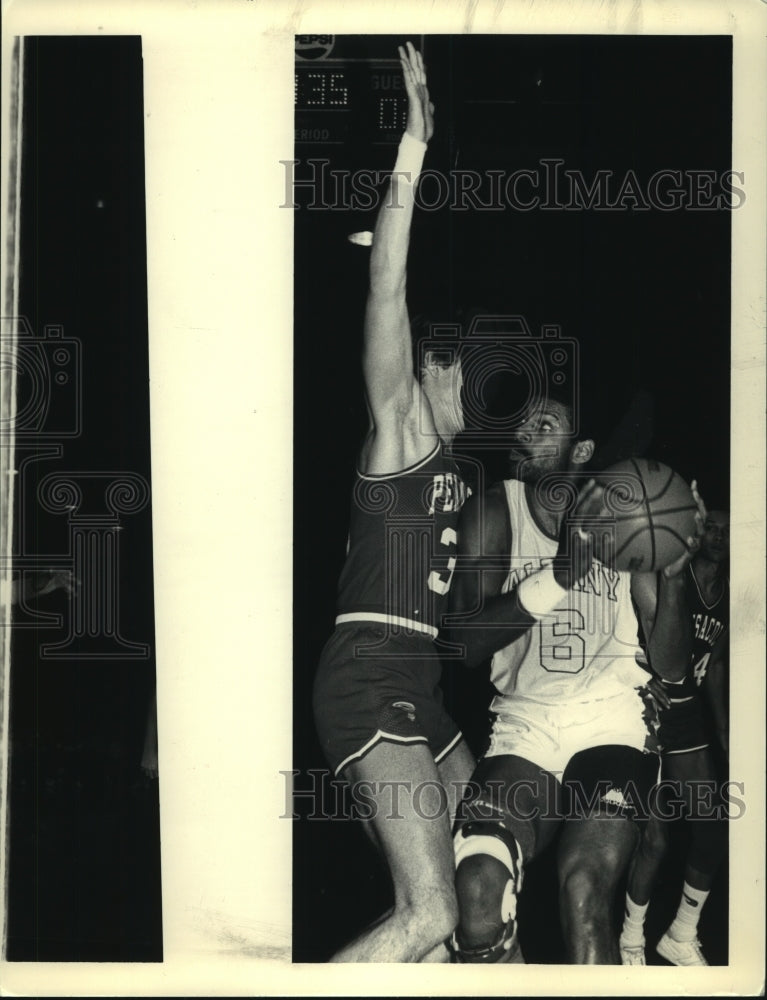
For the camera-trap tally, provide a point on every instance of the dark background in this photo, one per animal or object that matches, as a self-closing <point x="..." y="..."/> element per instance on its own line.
<point x="84" y="820"/>
<point x="646" y="294"/>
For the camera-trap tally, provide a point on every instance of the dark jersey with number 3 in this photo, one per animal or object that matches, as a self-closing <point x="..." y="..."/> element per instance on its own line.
<point x="402" y="545"/>
<point x="709" y="622"/>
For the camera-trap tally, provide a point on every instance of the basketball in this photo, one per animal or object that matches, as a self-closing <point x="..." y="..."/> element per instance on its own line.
<point x="653" y="510"/>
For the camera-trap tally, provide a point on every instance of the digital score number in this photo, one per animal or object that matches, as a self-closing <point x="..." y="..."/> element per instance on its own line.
<point x="330" y="89"/>
<point x="362" y="104"/>
<point x="321" y="88"/>
<point x="392" y="115"/>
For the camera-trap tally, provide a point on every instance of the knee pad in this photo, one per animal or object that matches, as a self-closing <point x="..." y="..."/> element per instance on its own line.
<point x="491" y="838"/>
<point x="709" y="844"/>
<point x="502" y="951"/>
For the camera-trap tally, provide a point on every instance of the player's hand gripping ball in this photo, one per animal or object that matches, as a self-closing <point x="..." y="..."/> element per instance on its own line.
<point x="651" y="514"/>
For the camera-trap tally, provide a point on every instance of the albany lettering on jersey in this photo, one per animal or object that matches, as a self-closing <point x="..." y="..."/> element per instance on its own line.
<point x="599" y="581"/>
<point x="446" y="493"/>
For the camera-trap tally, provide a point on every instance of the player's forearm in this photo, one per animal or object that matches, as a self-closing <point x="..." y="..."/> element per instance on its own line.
<point x="500" y="621"/>
<point x="388" y="259"/>
<point x="670" y="642"/>
<point x="503" y="618"/>
<point x="388" y="268"/>
<point x="387" y="352"/>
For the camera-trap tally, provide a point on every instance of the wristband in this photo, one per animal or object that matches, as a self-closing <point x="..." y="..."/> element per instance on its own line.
<point x="540" y="593"/>
<point x="409" y="159"/>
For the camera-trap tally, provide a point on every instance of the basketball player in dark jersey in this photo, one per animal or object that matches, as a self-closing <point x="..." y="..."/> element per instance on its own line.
<point x="573" y="748"/>
<point x="688" y="761"/>
<point x="377" y="703"/>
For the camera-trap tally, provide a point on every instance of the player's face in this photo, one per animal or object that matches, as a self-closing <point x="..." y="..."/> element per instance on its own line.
<point x="715" y="543"/>
<point x="542" y="442"/>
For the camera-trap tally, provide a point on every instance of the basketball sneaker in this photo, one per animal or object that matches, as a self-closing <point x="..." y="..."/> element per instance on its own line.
<point x="680" y="952"/>
<point x="632" y="954"/>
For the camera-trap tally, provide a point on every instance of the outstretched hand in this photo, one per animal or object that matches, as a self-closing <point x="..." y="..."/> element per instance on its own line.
<point x="693" y="542"/>
<point x="420" y="110"/>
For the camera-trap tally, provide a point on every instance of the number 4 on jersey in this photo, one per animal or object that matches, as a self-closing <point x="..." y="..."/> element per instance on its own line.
<point x="699" y="670"/>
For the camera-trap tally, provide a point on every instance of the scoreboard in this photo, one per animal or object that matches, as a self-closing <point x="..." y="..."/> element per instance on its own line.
<point x="349" y="89"/>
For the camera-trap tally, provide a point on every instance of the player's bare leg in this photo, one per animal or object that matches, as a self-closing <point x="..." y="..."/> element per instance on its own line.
<point x="696" y="773"/>
<point x="647" y="860"/>
<point x="511" y="818"/>
<point x="643" y="873"/>
<point x="454" y="772"/>
<point x="593" y="854"/>
<point x="418" y="850"/>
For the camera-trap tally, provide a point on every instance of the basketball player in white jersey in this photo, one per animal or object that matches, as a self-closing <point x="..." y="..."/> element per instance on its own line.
<point x="688" y="762"/>
<point x="573" y="744"/>
<point x="377" y="703"/>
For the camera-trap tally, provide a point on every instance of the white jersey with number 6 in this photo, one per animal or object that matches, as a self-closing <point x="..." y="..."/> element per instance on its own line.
<point x="587" y="648"/>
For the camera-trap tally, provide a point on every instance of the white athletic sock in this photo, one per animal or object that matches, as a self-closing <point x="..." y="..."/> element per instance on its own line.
<point x="685" y="925"/>
<point x="633" y="922"/>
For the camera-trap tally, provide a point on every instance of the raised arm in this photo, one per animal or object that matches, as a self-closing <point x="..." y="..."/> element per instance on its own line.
<point x="393" y="392"/>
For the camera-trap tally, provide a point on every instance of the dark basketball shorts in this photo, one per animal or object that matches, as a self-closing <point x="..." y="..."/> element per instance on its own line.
<point x="683" y="727"/>
<point x="604" y="754"/>
<point x="612" y="780"/>
<point x="374" y="685"/>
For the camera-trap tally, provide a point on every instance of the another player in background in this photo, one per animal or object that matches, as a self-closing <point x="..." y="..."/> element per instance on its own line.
<point x="573" y="715"/>
<point x="377" y="704"/>
<point x="688" y="761"/>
